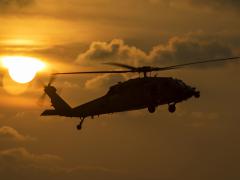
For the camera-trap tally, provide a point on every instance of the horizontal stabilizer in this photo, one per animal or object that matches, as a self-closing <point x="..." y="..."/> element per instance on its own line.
<point x="49" y="113"/>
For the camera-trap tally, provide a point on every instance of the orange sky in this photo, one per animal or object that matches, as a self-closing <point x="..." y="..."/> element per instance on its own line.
<point x="200" y="141"/>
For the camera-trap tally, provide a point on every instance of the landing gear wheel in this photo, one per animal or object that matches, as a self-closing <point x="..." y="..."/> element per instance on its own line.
<point x="79" y="127"/>
<point x="151" y="109"/>
<point x="197" y="94"/>
<point x="171" y="108"/>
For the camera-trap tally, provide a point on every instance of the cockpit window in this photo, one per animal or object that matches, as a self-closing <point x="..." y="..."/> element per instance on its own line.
<point x="181" y="83"/>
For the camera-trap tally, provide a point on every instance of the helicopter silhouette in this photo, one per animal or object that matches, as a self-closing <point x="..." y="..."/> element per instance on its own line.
<point x="133" y="94"/>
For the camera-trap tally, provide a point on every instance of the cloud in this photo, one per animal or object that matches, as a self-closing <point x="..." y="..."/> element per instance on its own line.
<point x="20" y="163"/>
<point x="189" y="48"/>
<point x="234" y="4"/>
<point x="115" y="50"/>
<point x="67" y="52"/>
<point x="19" y="155"/>
<point x="216" y="4"/>
<point x="8" y="133"/>
<point x="105" y="80"/>
<point x="176" y="50"/>
<point x="8" y="4"/>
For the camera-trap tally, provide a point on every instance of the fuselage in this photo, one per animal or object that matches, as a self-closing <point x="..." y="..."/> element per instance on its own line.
<point x="136" y="94"/>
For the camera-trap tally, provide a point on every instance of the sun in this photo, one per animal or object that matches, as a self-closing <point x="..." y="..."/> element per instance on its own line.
<point x="22" y="69"/>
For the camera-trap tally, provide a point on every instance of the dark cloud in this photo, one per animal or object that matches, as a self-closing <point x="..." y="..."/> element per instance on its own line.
<point x="7" y="4"/>
<point x="234" y="4"/>
<point x="186" y="49"/>
<point x="67" y="52"/>
<point x="103" y="81"/>
<point x="9" y="133"/>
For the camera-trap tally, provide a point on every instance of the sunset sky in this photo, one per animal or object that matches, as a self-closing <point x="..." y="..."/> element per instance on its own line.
<point x="200" y="141"/>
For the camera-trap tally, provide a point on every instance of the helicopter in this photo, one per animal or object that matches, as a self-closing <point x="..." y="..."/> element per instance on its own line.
<point x="134" y="94"/>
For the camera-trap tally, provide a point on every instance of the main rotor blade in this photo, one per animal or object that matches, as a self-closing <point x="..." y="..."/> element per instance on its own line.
<point x="93" y="72"/>
<point x="147" y="69"/>
<point x="195" y="63"/>
<point x="122" y="65"/>
<point x="51" y="80"/>
<point x="41" y="99"/>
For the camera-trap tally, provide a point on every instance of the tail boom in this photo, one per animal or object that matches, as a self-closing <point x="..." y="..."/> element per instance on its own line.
<point x="61" y="108"/>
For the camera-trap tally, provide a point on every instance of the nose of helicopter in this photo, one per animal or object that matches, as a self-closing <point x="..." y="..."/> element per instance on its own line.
<point x="187" y="91"/>
<point x="192" y="91"/>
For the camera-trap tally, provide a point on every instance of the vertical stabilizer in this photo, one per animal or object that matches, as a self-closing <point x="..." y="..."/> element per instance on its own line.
<point x="61" y="107"/>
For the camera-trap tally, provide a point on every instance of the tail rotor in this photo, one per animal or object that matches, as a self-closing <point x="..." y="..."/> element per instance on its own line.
<point x="43" y="96"/>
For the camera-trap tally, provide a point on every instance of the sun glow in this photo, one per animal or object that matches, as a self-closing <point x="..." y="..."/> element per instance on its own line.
<point x="22" y="69"/>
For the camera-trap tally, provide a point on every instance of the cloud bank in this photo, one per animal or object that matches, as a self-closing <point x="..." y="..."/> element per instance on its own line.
<point x="8" y="133"/>
<point x="8" y="4"/>
<point x="176" y="50"/>
<point x="234" y="4"/>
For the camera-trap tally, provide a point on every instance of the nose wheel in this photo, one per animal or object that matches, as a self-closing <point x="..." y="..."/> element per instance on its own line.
<point x="197" y="94"/>
<point x="79" y="126"/>
<point x="151" y="108"/>
<point x="172" y="108"/>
